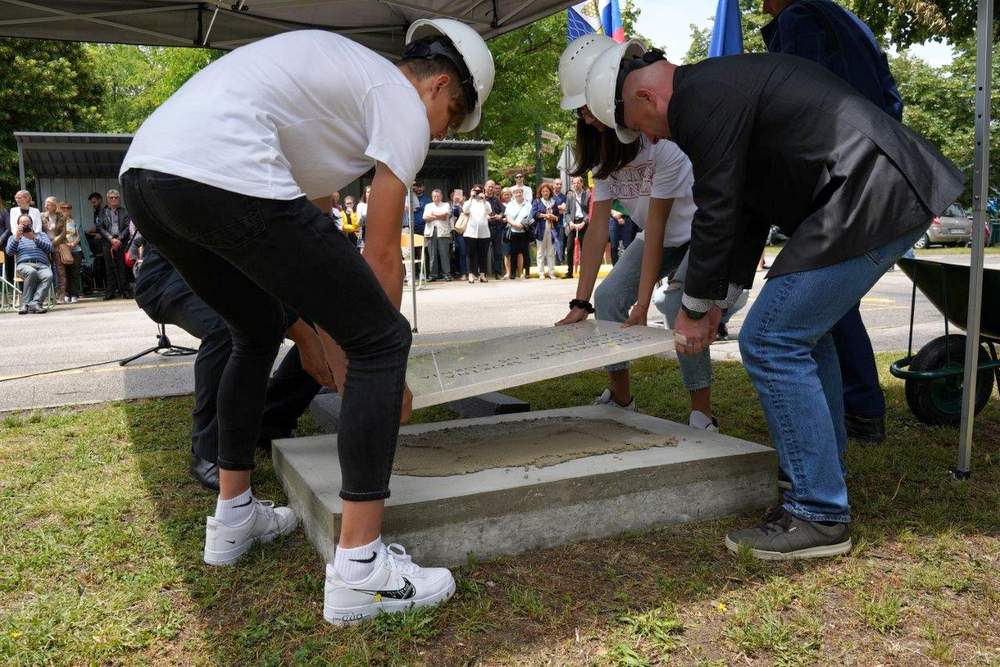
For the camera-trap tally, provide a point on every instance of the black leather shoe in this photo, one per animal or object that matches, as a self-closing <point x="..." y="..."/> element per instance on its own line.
<point x="866" y="429"/>
<point x="204" y="472"/>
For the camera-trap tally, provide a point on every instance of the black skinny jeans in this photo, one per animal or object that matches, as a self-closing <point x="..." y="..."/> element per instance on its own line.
<point x="289" y="391"/>
<point x="477" y="252"/>
<point x="245" y="256"/>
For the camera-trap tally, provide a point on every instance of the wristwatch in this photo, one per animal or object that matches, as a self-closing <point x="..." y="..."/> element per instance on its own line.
<point x="693" y="314"/>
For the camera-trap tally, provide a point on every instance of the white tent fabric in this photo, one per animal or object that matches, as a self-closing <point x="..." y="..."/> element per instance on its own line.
<point x="378" y="24"/>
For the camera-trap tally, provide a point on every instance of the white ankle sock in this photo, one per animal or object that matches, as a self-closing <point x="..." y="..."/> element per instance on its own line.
<point x="698" y="419"/>
<point x="236" y="510"/>
<point x="356" y="564"/>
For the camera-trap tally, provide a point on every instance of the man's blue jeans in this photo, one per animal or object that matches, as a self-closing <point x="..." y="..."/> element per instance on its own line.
<point x="790" y="356"/>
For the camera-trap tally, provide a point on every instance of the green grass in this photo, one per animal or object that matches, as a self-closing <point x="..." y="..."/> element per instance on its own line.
<point x="101" y="534"/>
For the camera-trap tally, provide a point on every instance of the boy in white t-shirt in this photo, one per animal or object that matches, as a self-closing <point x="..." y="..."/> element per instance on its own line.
<point x="230" y="179"/>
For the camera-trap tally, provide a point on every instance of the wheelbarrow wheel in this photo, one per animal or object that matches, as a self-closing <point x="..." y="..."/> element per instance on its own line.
<point x="939" y="402"/>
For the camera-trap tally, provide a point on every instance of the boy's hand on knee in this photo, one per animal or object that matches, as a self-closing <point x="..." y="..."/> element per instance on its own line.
<point x="335" y="359"/>
<point x="314" y="363"/>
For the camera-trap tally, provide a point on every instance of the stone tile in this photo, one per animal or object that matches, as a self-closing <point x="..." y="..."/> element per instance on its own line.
<point x="667" y="473"/>
<point x="471" y="369"/>
<point x="492" y="403"/>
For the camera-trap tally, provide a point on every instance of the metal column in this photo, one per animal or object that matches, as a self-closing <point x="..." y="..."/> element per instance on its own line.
<point x="20" y="164"/>
<point x="980" y="195"/>
<point x="413" y="257"/>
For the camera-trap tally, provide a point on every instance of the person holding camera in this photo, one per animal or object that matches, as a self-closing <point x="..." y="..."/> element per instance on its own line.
<point x="477" y="234"/>
<point x="31" y="250"/>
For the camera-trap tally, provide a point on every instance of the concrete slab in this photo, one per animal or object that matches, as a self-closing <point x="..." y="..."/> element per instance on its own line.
<point x="474" y="368"/>
<point x="666" y="473"/>
<point x="492" y="403"/>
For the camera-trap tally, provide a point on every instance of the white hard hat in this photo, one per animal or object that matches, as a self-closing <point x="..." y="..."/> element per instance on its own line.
<point x="575" y="62"/>
<point x="475" y="56"/>
<point x="602" y="85"/>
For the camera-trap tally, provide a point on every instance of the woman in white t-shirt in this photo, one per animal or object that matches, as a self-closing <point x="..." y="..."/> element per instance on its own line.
<point x="653" y="183"/>
<point x="477" y="234"/>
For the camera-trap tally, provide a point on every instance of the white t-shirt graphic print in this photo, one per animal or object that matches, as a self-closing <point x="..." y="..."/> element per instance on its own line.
<point x="301" y="113"/>
<point x="662" y="171"/>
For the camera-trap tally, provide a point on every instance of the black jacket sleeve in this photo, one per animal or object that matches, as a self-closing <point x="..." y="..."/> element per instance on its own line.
<point x="714" y="130"/>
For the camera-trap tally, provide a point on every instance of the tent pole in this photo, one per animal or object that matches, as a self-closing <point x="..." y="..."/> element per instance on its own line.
<point x="980" y="194"/>
<point x="413" y="257"/>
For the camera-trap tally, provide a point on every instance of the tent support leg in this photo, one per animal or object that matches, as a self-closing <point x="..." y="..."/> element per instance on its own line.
<point x="980" y="195"/>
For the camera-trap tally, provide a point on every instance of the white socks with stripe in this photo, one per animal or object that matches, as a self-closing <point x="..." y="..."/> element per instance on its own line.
<point x="236" y="510"/>
<point x="356" y="564"/>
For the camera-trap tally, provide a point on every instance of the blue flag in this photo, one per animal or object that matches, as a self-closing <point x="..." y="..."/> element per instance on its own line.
<point x="727" y="33"/>
<point x="603" y="16"/>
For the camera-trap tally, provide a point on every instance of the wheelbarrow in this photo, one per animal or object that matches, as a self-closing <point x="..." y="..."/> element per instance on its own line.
<point x="934" y="375"/>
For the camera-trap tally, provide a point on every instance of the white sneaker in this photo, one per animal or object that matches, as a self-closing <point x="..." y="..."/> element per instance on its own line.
<point x="698" y="419"/>
<point x="605" y="399"/>
<point x="224" y="545"/>
<point x="396" y="584"/>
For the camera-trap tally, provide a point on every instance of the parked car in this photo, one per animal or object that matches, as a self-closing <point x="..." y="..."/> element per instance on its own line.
<point x="953" y="227"/>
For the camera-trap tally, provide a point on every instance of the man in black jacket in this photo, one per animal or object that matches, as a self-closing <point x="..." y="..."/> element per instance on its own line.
<point x="777" y="139"/>
<point x="113" y="225"/>
<point x="166" y="298"/>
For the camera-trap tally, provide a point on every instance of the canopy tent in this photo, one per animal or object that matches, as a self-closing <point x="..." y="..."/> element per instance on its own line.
<point x="381" y="25"/>
<point x="378" y="24"/>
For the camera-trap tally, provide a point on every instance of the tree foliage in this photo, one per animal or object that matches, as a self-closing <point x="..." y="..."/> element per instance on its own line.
<point x="910" y="22"/>
<point x="138" y="79"/>
<point x="939" y="102"/>
<point x="527" y="92"/>
<point x="48" y="87"/>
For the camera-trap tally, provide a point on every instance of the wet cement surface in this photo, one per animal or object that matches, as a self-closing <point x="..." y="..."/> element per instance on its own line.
<point x="533" y="443"/>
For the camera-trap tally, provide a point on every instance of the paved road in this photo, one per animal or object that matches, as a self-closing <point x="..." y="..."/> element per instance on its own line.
<point x="93" y="332"/>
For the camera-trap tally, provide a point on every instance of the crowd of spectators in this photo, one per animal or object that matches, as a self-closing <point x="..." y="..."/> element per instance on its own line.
<point x="44" y="249"/>
<point x="496" y="232"/>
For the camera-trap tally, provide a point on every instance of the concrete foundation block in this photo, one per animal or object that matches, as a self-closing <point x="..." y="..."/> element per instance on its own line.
<point x="557" y="497"/>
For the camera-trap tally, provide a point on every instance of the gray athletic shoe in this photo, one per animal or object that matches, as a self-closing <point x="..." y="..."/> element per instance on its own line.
<point x="784" y="536"/>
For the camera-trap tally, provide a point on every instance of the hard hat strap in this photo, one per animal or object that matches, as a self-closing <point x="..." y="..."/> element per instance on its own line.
<point x="443" y="47"/>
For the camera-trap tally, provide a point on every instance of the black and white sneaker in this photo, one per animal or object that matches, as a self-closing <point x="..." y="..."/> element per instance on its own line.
<point x="395" y="584"/>
<point x="784" y="536"/>
<point x="605" y="399"/>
